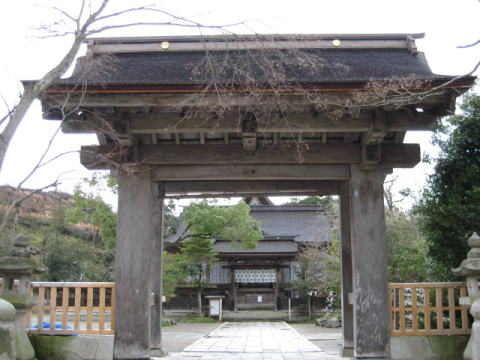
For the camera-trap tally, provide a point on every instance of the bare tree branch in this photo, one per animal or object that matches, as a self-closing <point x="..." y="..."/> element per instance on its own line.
<point x="469" y="45"/>
<point x="9" y="111"/>
<point x="83" y="28"/>
<point x="65" y="14"/>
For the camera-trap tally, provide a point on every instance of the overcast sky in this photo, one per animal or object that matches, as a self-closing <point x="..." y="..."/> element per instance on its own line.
<point x="24" y="55"/>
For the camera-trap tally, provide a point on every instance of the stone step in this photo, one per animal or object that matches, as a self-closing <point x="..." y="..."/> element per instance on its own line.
<point x="255" y="307"/>
<point x="254" y="315"/>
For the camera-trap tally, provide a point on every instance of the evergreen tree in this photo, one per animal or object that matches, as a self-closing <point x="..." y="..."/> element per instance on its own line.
<point x="450" y="206"/>
<point x="207" y="223"/>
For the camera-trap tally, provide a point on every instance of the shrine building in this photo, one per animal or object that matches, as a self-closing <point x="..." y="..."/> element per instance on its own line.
<point x="259" y="278"/>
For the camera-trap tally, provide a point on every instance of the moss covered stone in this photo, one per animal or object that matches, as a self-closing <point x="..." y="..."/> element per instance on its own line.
<point x="85" y="347"/>
<point x="7" y="343"/>
<point x="51" y="347"/>
<point x="7" y="331"/>
<point x="448" y="347"/>
<point x="20" y="300"/>
<point x="428" y="347"/>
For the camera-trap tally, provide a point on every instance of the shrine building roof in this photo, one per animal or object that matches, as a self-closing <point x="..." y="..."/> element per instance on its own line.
<point x="263" y="247"/>
<point x="283" y="225"/>
<point x="304" y="223"/>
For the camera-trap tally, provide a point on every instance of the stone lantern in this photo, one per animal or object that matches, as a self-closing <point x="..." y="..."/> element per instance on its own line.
<point x="470" y="268"/>
<point x="16" y="271"/>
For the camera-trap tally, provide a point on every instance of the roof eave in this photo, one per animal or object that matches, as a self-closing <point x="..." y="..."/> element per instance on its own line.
<point x="457" y="82"/>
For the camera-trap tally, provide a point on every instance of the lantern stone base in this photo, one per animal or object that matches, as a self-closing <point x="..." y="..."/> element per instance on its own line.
<point x="22" y="304"/>
<point x="7" y="331"/>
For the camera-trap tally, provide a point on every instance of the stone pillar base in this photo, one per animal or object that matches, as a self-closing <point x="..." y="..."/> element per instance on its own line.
<point x="159" y="352"/>
<point x="347" y="352"/>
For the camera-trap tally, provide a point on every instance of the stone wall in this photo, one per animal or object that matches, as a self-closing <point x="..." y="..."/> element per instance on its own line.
<point x="428" y="347"/>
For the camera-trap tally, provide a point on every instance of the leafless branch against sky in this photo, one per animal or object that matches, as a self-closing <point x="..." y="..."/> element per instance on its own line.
<point x="469" y="45"/>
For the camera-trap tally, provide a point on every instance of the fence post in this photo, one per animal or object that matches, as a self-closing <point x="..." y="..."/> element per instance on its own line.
<point x="289" y="309"/>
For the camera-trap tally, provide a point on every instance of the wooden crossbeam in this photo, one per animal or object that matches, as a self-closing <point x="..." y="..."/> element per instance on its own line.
<point x="249" y="172"/>
<point x="109" y="156"/>
<point x="252" y="188"/>
<point x="170" y="122"/>
<point x="233" y="194"/>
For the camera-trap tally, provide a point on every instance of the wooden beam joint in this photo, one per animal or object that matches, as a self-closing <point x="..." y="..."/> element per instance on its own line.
<point x="249" y="132"/>
<point x="371" y="156"/>
<point x="377" y="129"/>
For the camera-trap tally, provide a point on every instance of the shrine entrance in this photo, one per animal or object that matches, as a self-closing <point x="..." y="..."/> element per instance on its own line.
<point x="255" y="289"/>
<point x="245" y="116"/>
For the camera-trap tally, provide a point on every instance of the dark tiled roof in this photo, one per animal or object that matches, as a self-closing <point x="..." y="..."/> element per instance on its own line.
<point x="264" y="246"/>
<point x="180" y="231"/>
<point x="303" y="223"/>
<point x="304" y="66"/>
<point x="306" y="223"/>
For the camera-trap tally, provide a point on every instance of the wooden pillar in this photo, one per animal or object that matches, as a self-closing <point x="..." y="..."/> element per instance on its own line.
<point x="234" y="288"/>
<point x="369" y="260"/>
<point x="277" y="284"/>
<point x="133" y="265"/>
<point x="156" y="277"/>
<point x="347" y="275"/>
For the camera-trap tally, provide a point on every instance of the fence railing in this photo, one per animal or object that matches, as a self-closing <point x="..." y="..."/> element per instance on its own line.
<point x="73" y="308"/>
<point x="89" y="308"/>
<point x="428" y="309"/>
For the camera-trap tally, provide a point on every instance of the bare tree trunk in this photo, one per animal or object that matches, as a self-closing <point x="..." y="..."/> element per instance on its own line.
<point x="14" y="121"/>
<point x="199" y="299"/>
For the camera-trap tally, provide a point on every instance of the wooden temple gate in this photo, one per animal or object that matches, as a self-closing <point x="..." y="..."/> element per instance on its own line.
<point x="277" y="115"/>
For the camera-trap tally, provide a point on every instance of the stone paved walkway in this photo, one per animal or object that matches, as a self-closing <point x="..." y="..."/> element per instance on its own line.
<point x="253" y="341"/>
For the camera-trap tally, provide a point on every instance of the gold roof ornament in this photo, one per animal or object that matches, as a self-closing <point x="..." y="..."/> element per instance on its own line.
<point x="165" y="45"/>
<point x="336" y="43"/>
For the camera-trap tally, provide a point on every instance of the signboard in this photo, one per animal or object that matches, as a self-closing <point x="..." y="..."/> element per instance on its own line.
<point x="255" y="276"/>
<point x="215" y="307"/>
